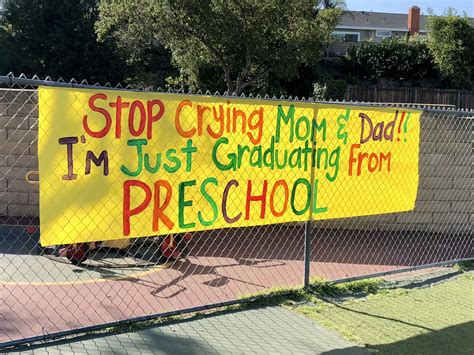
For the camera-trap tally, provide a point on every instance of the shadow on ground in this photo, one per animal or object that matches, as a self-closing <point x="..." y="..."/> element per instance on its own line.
<point x="256" y="330"/>
<point x="457" y="339"/>
<point x="287" y="243"/>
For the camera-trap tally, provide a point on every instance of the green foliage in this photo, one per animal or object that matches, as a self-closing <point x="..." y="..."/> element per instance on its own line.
<point x="318" y="288"/>
<point x="277" y="295"/>
<point x="465" y="266"/>
<point x="56" y="38"/>
<point x="403" y="59"/>
<point x="319" y="91"/>
<point x="237" y="44"/>
<point x="334" y="4"/>
<point x="451" y="42"/>
<point x="8" y="57"/>
<point x="326" y="288"/>
<point x="149" y="63"/>
<point x="330" y="90"/>
<point x="361" y="286"/>
<point x="300" y="85"/>
<point x="447" y="51"/>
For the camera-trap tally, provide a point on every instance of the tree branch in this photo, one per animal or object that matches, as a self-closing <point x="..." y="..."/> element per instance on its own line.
<point x="256" y="78"/>
<point x="245" y="70"/>
<point x="225" y="67"/>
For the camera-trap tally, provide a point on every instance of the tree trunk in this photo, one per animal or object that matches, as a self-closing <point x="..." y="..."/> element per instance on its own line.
<point x="229" y="81"/>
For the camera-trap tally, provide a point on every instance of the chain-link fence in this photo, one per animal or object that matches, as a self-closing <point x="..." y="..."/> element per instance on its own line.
<point x="65" y="289"/>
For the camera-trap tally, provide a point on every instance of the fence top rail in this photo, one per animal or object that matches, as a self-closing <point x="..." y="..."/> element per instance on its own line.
<point x="401" y="88"/>
<point x="35" y="81"/>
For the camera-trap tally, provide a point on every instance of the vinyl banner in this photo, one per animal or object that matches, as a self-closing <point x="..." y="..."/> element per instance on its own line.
<point x="122" y="164"/>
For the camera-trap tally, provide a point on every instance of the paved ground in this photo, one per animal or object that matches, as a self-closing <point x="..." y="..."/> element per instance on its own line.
<point x="270" y="330"/>
<point x="428" y="313"/>
<point x="40" y="295"/>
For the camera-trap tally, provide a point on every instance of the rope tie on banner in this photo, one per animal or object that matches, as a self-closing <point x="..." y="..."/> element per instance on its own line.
<point x="29" y="175"/>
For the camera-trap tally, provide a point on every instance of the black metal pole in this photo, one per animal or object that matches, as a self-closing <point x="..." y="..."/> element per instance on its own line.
<point x="308" y="228"/>
<point x="307" y="251"/>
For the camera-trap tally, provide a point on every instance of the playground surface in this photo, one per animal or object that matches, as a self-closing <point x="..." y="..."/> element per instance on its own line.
<point x="42" y="294"/>
<point x="420" y="313"/>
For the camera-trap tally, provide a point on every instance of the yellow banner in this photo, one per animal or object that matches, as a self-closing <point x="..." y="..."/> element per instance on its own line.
<point x="116" y="164"/>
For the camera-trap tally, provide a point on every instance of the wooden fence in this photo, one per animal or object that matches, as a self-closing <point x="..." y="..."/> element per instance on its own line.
<point x="457" y="98"/>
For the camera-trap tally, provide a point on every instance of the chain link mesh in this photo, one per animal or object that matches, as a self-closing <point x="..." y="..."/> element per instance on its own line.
<point x="43" y="293"/>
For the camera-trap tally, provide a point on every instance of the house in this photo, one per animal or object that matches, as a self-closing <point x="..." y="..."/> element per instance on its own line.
<point x="360" y="26"/>
<point x="2" y="7"/>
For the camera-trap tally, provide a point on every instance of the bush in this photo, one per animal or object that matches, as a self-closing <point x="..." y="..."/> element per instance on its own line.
<point x="451" y="41"/>
<point x="330" y="90"/>
<point x="403" y="59"/>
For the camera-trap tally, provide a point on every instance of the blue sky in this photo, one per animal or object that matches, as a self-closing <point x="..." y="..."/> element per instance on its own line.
<point x="401" y="6"/>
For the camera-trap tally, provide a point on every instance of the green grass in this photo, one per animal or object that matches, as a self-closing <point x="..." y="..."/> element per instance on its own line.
<point x="319" y="288"/>
<point x="465" y="265"/>
<point x="437" y="319"/>
<point x="326" y="288"/>
<point x="417" y="318"/>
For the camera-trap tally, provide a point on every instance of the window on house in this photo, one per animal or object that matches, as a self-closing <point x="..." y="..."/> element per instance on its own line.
<point x="383" y="34"/>
<point x="347" y="36"/>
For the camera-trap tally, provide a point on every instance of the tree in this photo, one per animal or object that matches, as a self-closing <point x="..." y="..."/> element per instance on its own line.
<point x="247" y="40"/>
<point x="330" y="4"/>
<point x="148" y="62"/>
<point x="451" y="42"/>
<point x="56" y="38"/>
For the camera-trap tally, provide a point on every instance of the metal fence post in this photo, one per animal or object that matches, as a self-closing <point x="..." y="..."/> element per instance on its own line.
<point x="307" y="251"/>
<point x="309" y="223"/>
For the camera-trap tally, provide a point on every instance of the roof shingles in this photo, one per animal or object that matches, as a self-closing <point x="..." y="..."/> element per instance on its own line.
<point x="377" y="20"/>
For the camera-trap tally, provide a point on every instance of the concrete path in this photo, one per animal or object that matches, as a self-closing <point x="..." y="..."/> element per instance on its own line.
<point x="269" y="330"/>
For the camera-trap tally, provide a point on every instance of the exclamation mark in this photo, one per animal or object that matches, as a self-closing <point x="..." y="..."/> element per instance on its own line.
<point x="400" y="125"/>
<point x="405" y="127"/>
